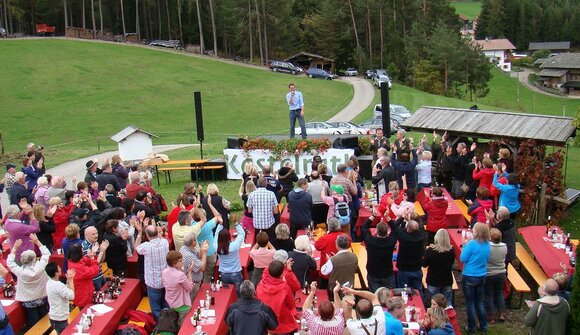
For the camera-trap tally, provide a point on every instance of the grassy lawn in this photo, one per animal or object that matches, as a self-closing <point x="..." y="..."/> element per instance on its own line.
<point x="471" y="9"/>
<point x="75" y="95"/>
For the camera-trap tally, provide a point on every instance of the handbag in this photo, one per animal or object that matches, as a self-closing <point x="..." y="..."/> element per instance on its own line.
<point x="464" y="187"/>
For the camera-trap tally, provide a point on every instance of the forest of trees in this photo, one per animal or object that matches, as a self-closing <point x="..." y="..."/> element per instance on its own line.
<point x="417" y="41"/>
<point x="524" y="21"/>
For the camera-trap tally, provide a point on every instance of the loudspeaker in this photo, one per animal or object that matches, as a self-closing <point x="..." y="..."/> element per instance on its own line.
<point x="349" y="141"/>
<point x="198" y="115"/>
<point x="387" y="109"/>
<point x="236" y="142"/>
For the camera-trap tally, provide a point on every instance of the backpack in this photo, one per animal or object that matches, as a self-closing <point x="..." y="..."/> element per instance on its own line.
<point x="341" y="210"/>
<point x="168" y="322"/>
<point x="145" y="318"/>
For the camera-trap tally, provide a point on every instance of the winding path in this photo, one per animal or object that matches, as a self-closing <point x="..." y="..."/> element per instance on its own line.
<point x="364" y="93"/>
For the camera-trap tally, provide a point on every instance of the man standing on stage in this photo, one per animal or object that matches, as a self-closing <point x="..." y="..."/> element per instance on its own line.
<point x="296" y="105"/>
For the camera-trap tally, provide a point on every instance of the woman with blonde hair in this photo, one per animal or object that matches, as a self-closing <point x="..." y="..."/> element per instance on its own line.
<point x="474" y="257"/>
<point x="247" y="217"/>
<point x="46" y="225"/>
<point x="219" y="202"/>
<point x="283" y="241"/>
<point x="119" y="170"/>
<point x="436" y="322"/>
<point x="438" y="260"/>
<point x="250" y="174"/>
<point x="424" y="170"/>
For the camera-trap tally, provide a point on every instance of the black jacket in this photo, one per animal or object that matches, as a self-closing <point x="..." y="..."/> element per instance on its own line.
<point x="287" y="177"/>
<point x="250" y="317"/>
<point x="116" y="255"/>
<point x="218" y="203"/>
<point x="508" y="236"/>
<point x="302" y="266"/>
<point x="379" y="250"/>
<point x="411" y="250"/>
<point x="300" y="208"/>
<point x="18" y="192"/>
<point x="46" y="230"/>
<point x="108" y="178"/>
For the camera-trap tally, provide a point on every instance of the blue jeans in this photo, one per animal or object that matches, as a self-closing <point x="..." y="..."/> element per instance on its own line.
<point x="233" y="278"/>
<point x="413" y="279"/>
<point x="156" y="300"/>
<point x="445" y="290"/>
<point x="98" y="283"/>
<point x="7" y="330"/>
<point x="59" y="326"/>
<point x="295" y="114"/>
<point x="473" y="291"/>
<point x="494" y="293"/>
<point x="376" y="282"/>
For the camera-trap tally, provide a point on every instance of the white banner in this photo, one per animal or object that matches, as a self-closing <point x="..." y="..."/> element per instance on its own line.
<point x="236" y="159"/>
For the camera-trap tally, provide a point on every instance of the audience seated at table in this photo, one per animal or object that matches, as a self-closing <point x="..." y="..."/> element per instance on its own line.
<point x="436" y="322"/>
<point x="439" y="300"/>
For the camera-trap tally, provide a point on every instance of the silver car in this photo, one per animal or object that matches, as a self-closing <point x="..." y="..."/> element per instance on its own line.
<point x="397" y="112"/>
<point x="322" y="128"/>
<point x="383" y="78"/>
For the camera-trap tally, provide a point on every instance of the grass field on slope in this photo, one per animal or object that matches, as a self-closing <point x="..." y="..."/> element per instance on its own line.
<point x="58" y="92"/>
<point x="471" y="9"/>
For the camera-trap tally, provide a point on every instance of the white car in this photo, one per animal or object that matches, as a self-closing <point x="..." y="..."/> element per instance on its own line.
<point x="353" y="128"/>
<point x="351" y="72"/>
<point x="381" y="79"/>
<point x="401" y="113"/>
<point x="369" y="126"/>
<point x="321" y="128"/>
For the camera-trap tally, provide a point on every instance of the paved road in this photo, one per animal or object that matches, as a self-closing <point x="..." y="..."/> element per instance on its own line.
<point x="523" y="78"/>
<point x="364" y="93"/>
<point x="78" y="168"/>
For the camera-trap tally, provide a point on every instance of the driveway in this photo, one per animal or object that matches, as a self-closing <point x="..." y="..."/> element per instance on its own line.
<point x="364" y="93"/>
<point x="523" y="78"/>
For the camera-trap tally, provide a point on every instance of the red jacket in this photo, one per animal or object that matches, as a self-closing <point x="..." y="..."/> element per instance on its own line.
<point x="278" y="294"/>
<point x="484" y="176"/>
<point x="437" y="210"/>
<point x="452" y="315"/>
<point x="172" y="219"/>
<point x="477" y="212"/>
<point x="384" y="204"/>
<point x="60" y="219"/>
<point x="133" y="188"/>
<point x="85" y="270"/>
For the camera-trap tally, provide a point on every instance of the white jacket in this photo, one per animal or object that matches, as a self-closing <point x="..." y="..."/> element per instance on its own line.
<point x="32" y="278"/>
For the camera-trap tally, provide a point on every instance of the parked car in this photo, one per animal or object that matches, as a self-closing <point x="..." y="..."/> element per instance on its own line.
<point x="321" y="128"/>
<point x="397" y="111"/>
<point x="382" y="78"/>
<point x="286" y="67"/>
<point x="351" y="72"/>
<point x="174" y="44"/>
<point x="2" y="32"/>
<point x="370" y="74"/>
<point x="319" y="73"/>
<point x="352" y="128"/>
<point x="369" y="126"/>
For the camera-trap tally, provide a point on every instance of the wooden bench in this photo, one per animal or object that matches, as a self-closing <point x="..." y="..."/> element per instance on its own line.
<point x="528" y="262"/>
<point x="454" y="286"/>
<point x="360" y="279"/>
<point x="144" y="305"/>
<point x="43" y="326"/>
<point x="463" y="208"/>
<point x="518" y="284"/>
<point x="419" y="209"/>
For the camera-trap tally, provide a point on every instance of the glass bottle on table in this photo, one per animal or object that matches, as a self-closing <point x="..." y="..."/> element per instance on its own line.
<point x="549" y="226"/>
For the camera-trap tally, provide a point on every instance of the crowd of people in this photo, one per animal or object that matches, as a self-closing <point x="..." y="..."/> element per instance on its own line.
<point x="113" y="213"/>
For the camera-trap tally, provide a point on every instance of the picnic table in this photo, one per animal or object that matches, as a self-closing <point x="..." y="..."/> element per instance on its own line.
<point x="107" y="323"/>
<point x="15" y="312"/>
<point x="547" y="255"/>
<point x="456" y="239"/>
<point x="215" y="325"/>
<point x="173" y="165"/>
<point x="454" y="216"/>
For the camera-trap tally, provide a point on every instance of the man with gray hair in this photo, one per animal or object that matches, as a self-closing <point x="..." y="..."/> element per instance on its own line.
<point x="383" y="174"/>
<point x="342" y="180"/>
<point x="193" y="254"/>
<point x="548" y="314"/>
<point x="154" y="253"/>
<point x="401" y="143"/>
<point x="327" y="245"/>
<point x="249" y="316"/>
<point x="135" y="186"/>
<point x="342" y="266"/>
<point x="57" y="187"/>
<point x="19" y="190"/>
<point x="502" y="221"/>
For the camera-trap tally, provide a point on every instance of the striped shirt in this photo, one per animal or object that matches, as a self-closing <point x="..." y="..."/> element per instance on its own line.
<point x="86" y="245"/>
<point x="155" y="252"/>
<point x="262" y="202"/>
<point x="192" y="257"/>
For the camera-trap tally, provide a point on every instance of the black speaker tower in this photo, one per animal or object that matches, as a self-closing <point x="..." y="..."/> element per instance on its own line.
<point x="198" y="120"/>
<point x="386" y="108"/>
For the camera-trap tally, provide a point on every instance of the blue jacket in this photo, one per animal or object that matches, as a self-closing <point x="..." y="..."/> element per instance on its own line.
<point x="509" y="196"/>
<point x="447" y="330"/>
<point x="474" y="257"/>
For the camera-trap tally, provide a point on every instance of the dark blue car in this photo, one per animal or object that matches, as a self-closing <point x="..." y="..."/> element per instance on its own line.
<point x="319" y="73"/>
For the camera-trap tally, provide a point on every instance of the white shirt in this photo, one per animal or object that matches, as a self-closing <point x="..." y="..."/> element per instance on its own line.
<point x="327" y="268"/>
<point x="355" y="327"/>
<point x="58" y="297"/>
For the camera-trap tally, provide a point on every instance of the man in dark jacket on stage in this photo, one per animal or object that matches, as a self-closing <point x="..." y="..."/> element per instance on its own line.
<point x="250" y="316"/>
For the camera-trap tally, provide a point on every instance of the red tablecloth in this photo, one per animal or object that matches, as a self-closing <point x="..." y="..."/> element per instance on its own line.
<point x="285" y="216"/>
<point x="16" y="314"/>
<point x="223" y="298"/>
<point x="416" y="302"/>
<point x="107" y="324"/>
<point x="456" y="242"/>
<point x="363" y="215"/>
<point x="454" y="216"/>
<point x="546" y="254"/>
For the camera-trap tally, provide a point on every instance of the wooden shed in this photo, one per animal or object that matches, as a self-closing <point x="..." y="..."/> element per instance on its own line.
<point x="307" y="60"/>
<point x="134" y="143"/>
